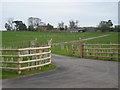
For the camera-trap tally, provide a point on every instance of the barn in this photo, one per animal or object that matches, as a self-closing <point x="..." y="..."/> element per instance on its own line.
<point x="75" y="30"/>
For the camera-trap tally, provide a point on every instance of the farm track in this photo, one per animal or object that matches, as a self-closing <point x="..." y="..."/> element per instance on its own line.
<point x="71" y="72"/>
<point x="81" y="39"/>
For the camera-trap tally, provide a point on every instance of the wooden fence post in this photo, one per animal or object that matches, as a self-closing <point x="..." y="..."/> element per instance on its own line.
<point x="49" y="50"/>
<point x="19" y="65"/>
<point x="29" y="46"/>
<point x="81" y="48"/>
<point x="39" y="57"/>
<point x="73" y="49"/>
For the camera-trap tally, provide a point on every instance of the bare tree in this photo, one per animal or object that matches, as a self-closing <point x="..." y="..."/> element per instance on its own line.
<point x="61" y="26"/>
<point x="73" y="24"/>
<point x="7" y="26"/>
<point x="10" y="23"/>
<point x="30" y="21"/>
<point x="34" y="21"/>
<point x="76" y="23"/>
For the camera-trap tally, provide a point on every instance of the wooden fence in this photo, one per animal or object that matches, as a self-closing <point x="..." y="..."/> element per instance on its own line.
<point x="106" y="51"/>
<point x="25" y="58"/>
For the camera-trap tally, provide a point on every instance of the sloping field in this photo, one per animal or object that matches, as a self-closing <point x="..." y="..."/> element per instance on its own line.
<point x="14" y="38"/>
<point x="66" y="49"/>
<point x="111" y="39"/>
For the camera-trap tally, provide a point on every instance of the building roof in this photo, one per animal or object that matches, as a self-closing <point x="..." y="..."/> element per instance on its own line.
<point x="75" y="29"/>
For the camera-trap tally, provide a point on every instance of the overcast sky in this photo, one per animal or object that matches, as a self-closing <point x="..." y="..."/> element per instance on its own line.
<point x="87" y="13"/>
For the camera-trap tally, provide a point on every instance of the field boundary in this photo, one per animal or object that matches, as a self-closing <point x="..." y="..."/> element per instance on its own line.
<point x="25" y="58"/>
<point x="104" y="51"/>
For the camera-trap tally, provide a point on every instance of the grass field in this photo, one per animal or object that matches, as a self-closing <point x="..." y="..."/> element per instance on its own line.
<point x="14" y="39"/>
<point x="66" y="49"/>
<point x="112" y="39"/>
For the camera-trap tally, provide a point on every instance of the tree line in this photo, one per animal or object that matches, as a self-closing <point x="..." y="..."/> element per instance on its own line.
<point x="103" y="26"/>
<point x="107" y="26"/>
<point x="72" y="24"/>
<point x="36" y="24"/>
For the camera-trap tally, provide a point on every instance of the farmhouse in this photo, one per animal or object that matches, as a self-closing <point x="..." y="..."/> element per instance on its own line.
<point x="90" y="29"/>
<point x="75" y="30"/>
<point x="47" y="27"/>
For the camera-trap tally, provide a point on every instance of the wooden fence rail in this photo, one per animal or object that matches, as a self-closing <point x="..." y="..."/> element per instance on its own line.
<point x="106" y="51"/>
<point x="25" y="58"/>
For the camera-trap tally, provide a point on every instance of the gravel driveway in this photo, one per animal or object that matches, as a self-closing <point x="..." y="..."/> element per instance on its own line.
<point x="71" y="73"/>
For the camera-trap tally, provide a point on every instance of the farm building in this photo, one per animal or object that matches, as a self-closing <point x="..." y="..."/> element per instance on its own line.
<point x="47" y="27"/>
<point x="75" y="30"/>
<point x="90" y="29"/>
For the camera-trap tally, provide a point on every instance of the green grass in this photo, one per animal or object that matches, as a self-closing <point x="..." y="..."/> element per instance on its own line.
<point x="14" y="38"/>
<point x="66" y="49"/>
<point x="63" y="49"/>
<point x="13" y="74"/>
<point x="112" y="39"/>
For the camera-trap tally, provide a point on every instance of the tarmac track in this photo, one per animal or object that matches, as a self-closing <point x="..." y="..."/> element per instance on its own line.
<point x="71" y="72"/>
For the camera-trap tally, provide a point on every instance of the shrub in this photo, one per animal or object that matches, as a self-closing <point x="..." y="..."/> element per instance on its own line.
<point x="98" y="30"/>
<point x="30" y="28"/>
<point x="40" y="29"/>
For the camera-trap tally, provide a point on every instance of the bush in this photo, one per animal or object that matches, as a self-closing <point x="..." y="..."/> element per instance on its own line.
<point x="31" y="28"/>
<point x="40" y="29"/>
<point x="98" y="30"/>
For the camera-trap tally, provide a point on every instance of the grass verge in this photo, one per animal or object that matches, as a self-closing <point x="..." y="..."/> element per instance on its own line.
<point x="13" y="74"/>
